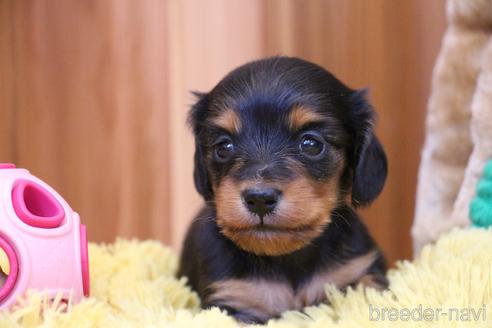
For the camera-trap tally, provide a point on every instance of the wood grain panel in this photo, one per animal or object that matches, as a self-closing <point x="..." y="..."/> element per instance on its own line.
<point x="90" y="99"/>
<point x="7" y="102"/>
<point x="388" y="47"/>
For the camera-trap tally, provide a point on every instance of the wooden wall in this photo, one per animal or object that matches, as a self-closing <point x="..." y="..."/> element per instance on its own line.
<point x="93" y="94"/>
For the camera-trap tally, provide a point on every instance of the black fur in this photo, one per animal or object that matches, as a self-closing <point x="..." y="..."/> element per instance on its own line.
<point x="262" y="93"/>
<point x="345" y="238"/>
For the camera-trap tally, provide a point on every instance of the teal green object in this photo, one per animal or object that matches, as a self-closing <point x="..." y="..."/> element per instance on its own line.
<point x="481" y="205"/>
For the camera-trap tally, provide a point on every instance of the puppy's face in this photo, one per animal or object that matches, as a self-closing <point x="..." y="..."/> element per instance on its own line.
<point x="279" y="144"/>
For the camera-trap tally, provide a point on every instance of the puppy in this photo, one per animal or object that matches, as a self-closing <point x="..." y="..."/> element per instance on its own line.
<point x="284" y="153"/>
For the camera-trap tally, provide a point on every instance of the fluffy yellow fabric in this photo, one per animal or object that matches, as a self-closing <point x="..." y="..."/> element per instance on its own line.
<point x="133" y="286"/>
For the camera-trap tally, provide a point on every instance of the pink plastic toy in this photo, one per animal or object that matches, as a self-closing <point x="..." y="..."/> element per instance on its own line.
<point x="42" y="237"/>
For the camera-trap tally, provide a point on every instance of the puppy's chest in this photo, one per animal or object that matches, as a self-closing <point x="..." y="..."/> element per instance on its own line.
<point x="267" y="297"/>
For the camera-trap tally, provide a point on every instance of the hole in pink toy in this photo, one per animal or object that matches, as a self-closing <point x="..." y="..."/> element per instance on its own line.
<point x="36" y="206"/>
<point x="9" y="268"/>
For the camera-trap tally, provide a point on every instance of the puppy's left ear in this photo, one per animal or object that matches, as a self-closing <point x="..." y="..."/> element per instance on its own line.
<point x="370" y="166"/>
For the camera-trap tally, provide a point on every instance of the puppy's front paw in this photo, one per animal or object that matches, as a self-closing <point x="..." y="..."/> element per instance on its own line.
<point x="252" y="300"/>
<point x="376" y="281"/>
<point x="248" y="319"/>
<point x="242" y="316"/>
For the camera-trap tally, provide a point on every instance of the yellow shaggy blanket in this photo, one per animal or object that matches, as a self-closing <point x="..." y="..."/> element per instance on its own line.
<point x="450" y="285"/>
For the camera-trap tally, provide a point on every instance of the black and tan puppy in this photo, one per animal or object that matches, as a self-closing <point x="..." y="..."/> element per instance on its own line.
<point x="284" y="152"/>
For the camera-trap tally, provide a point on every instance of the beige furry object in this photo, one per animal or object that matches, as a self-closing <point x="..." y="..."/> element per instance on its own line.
<point x="459" y="122"/>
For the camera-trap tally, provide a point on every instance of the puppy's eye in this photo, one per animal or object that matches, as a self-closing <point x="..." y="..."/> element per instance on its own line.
<point x="312" y="146"/>
<point x="224" y="150"/>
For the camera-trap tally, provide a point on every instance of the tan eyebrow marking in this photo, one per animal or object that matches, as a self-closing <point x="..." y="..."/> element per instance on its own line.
<point x="228" y="120"/>
<point x="302" y="115"/>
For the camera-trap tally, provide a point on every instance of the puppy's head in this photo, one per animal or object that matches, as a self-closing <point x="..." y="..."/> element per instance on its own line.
<point x="279" y="144"/>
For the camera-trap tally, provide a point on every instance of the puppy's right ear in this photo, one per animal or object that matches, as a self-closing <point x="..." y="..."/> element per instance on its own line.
<point x="196" y="118"/>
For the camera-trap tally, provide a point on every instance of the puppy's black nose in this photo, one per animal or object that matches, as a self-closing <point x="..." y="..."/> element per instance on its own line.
<point x="261" y="201"/>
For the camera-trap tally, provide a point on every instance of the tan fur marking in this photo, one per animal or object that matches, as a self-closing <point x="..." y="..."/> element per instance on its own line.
<point x="314" y="291"/>
<point x="301" y="115"/>
<point x="261" y="298"/>
<point x="229" y="121"/>
<point x="301" y="215"/>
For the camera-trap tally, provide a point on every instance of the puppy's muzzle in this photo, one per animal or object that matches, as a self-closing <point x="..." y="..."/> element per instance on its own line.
<point x="261" y="201"/>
